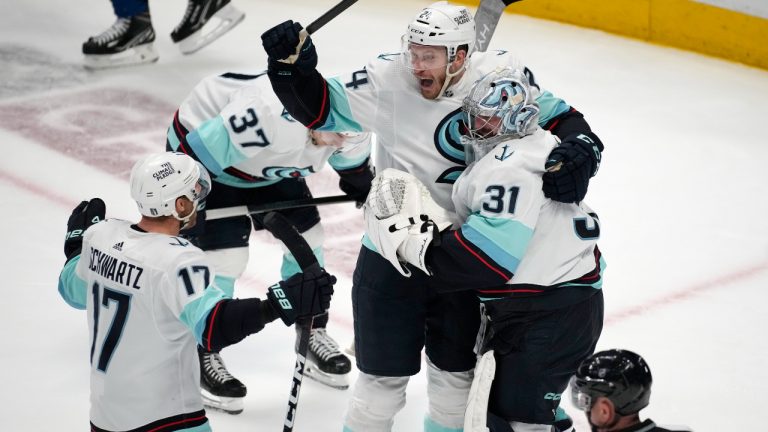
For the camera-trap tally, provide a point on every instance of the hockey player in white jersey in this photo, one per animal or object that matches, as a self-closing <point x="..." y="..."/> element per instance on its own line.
<point x="533" y="262"/>
<point x="257" y="153"/>
<point x="411" y="98"/>
<point x="151" y="297"/>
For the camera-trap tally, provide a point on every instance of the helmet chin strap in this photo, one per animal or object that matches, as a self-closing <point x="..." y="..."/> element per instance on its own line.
<point x="185" y="220"/>
<point x="449" y="77"/>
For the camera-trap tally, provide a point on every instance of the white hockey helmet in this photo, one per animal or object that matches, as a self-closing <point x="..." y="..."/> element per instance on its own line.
<point x="160" y="178"/>
<point x="444" y="24"/>
<point x="500" y="106"/>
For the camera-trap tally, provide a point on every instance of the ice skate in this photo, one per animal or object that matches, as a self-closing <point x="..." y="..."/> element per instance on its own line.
<point x="204" y="22"/>
<point x="129" y="41"/>
<point x="325" y="362"/>
<point x="220" y="390"/>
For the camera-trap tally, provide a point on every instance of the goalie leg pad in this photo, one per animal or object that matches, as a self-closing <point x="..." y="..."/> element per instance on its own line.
<point x="375" y="401"/>
<point x="477" y="405"/>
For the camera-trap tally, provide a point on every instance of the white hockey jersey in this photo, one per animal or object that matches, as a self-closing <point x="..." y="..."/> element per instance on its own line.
<point x="414" y="134"/>
<point x="147" y="297"/>
<point x="544" y="244"/>
<point x="237" y="128"/>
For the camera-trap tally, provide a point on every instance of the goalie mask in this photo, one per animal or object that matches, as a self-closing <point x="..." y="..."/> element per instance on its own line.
<point x="500" y="106"/>
<point x="159" y="179"/>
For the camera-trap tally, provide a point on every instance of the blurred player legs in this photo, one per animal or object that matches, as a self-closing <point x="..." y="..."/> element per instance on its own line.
<point x="129" y="41"/>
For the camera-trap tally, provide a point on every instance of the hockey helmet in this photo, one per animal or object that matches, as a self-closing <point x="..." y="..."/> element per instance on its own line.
<point x="160" y="178"/>
<point x="443" y="24"/>
<point x="619" y="375"/>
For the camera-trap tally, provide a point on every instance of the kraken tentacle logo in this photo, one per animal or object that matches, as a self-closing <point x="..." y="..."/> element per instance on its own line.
<point x="287" y="172"/>
<point x="448" y="143"/>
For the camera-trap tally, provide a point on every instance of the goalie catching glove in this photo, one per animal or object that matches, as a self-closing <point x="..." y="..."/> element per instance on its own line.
<point x="402" y="220"/>
<point x="303" y="294"/>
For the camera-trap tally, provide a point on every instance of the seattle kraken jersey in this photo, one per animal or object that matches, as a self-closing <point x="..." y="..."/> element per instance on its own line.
<point x="535" y="243"/>
<point x="414" y="134"/>
<point x="147" y="297"/>
<point x="235" y="125"/>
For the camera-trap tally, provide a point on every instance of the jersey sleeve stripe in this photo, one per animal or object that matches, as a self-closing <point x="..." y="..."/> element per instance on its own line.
<point x="479" y="258"/>
<point x="340" y="117"/>
<point x="503" y="240"/>
<point x="209" y="331"/>
<point x="323" y="104"/>
<point x="71" y="287"/>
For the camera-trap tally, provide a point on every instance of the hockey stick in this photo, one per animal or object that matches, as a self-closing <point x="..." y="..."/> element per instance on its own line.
<point x="284" y="231"/>
<point x="329" y="15"/>
<point x="277" y="205"/>
<point x="486" y="18"/>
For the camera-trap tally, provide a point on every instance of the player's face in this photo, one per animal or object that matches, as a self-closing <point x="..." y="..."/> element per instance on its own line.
<point x="428" y="66"/>
<point x="487" y="126"/>
<point x="333" y="139"/>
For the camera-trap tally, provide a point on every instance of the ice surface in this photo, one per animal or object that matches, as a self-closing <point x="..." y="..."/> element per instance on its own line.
<point x="681" y="196"/>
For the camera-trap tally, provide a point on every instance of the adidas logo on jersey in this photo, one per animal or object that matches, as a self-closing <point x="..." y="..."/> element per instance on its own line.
<point x="118" y="246"/>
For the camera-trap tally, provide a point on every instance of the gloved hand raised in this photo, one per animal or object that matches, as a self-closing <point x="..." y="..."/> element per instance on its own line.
<point x="84" y="215"/>
<point x="303" y="294"/>
<point x="356" y="183"/>
<point x="286" y="44"/>
<point x="578" y="157"/>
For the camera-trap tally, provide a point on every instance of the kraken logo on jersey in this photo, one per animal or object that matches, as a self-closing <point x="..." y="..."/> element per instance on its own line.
<point x="287" y="172"/>
<point x="448" y="143"/>
<point x="287" y="116"/>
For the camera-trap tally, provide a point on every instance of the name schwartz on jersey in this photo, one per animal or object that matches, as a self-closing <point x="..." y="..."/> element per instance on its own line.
<point x="113" y="269"/>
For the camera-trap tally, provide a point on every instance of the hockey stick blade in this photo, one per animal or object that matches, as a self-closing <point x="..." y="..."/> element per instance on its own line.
<point x="273" y="206"/>
<point x="329" y="15"/>
<point x="486" y="18"/>
<point x="283" y="230"/>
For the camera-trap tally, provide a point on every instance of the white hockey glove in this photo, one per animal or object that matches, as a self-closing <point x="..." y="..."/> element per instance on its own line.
<point x="475" y="417"/>
<point x="401" y="218"/>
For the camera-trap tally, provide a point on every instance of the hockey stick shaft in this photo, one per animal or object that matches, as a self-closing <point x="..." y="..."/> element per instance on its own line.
<point x="273" y="206"/>
<point x="329" y="15"/>
<point x="486" y="18"/>
<point x="283" y="230"/>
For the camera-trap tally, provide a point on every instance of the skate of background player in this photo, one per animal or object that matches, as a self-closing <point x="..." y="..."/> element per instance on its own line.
<point x="688" y="253"/>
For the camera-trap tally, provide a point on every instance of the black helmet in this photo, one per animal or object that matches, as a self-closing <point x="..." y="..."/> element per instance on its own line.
<point x="619" y="375"/>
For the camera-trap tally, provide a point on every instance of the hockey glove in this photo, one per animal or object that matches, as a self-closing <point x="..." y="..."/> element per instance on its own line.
<point x="84" y="215"/>
<point x="356" y="183"/>
<point x="570" y="166"/>
<point x="289" y="49"/>
<point x="303" y="294"/>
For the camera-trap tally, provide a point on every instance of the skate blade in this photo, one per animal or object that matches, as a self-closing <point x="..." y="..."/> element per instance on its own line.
<point x="220" y="23"/>
<point x="229" y="405"/>
<point x="131" y="57"/>
<point x="340" y="382"/>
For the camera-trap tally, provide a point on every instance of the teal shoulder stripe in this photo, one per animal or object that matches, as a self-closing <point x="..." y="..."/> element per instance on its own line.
<point x="226" y="284"/>
<point x="340" y="118"/>
<point x="340" y="161"/>
<point x="196" y="312"/>
<point x="504" y="240"/>
<point x="550" y="107"/>
<point x="173" y="141"/>
<point x="71" y="287"/>
<point x="211" y="143"/>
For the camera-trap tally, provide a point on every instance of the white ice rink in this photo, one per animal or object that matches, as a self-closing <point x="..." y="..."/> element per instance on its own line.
<point x="681" y="196"/>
